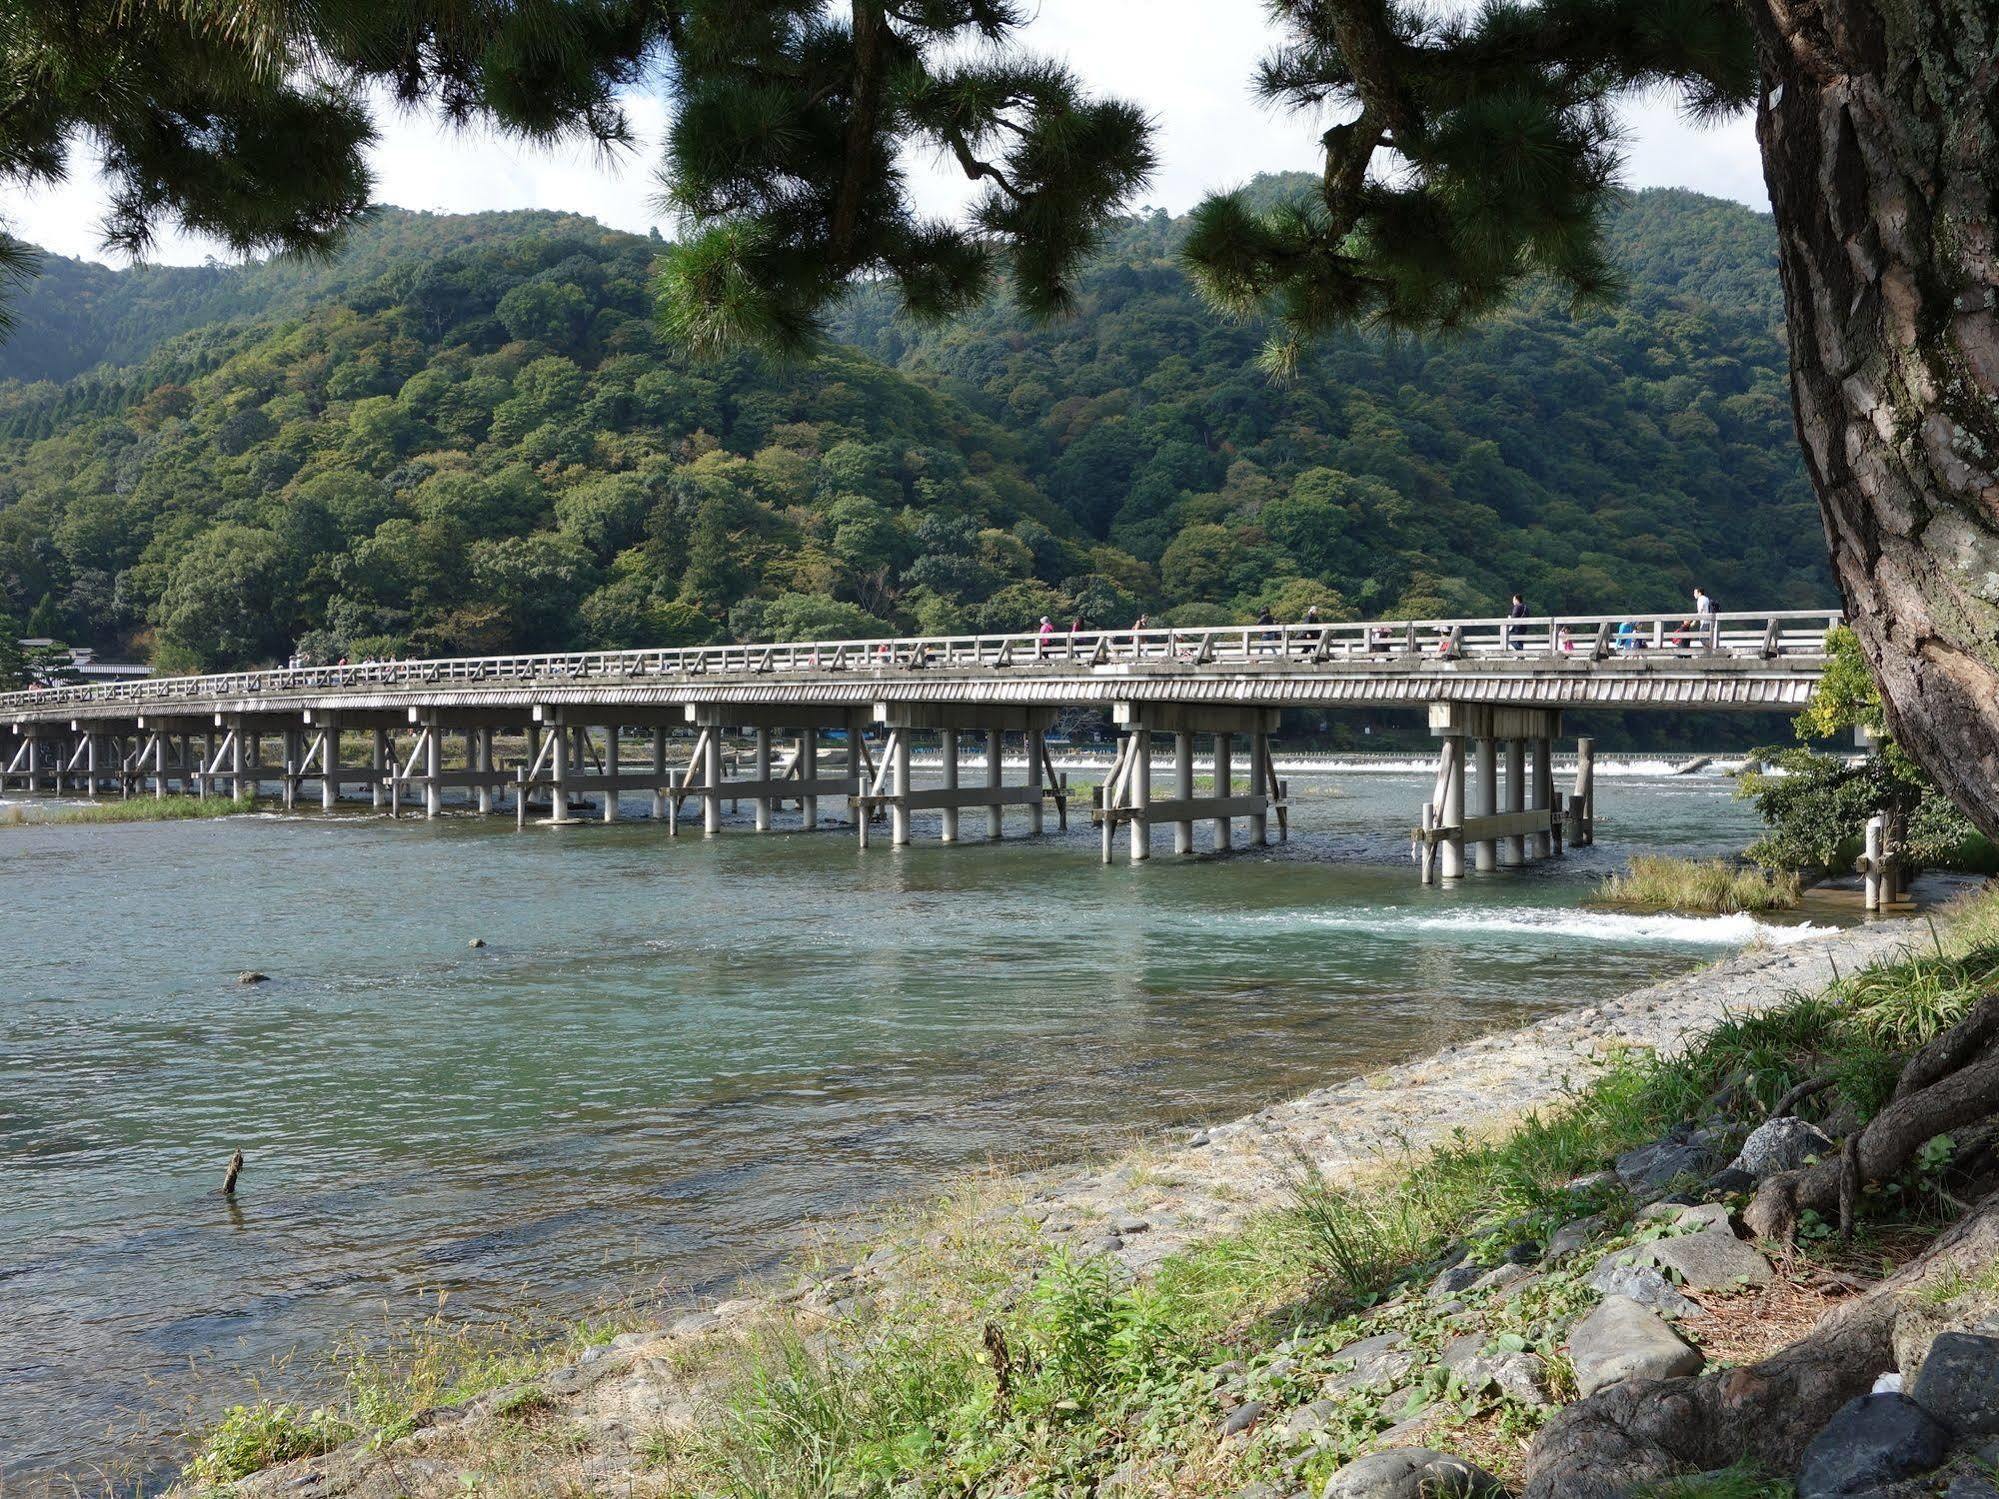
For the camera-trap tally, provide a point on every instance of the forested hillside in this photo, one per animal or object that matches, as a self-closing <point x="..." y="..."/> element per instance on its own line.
<point x="464" y="435"/>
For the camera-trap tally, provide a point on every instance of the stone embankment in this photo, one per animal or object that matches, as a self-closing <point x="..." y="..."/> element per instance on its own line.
<point x="1617" y="1298"/>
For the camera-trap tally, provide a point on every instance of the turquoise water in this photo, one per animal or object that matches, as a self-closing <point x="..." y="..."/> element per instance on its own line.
<point x="671" y="1057"/>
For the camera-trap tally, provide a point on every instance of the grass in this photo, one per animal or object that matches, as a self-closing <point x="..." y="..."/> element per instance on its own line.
<point x="993" y="1363"/>
<point x="151" y="809"/>
<point x="1700" y="886"/>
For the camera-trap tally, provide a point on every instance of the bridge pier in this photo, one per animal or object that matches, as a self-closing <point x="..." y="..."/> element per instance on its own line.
<point x="1126" y="796"/>
<point x="768" y="785"/>
<point x="891" y="785"/>
<point x="1526" y="826"/>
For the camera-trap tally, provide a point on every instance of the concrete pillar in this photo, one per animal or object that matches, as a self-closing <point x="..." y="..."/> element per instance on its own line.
<point x="1542" y="790"/>
<point x="808" y="771"/>
<point x="90" y="765"/>
<point x="159" y="765"/>
<point x="658" y="773"/>
<point x="1224" y="786"/>
<point x="611" y="770"/>
<point x="949" y="833"/>
<point x="482" y="761"/>
<point x="1485" y="854"/>
<point x="898" y="814"/>
<point x="378" y="761"/>
<point x="1141" y="793"/>
<point x="433" y="767"/>
<point x="329" y="781"/>
<point x="237" y="760"/>
<point x="711" y="772"/>
<point x="1183" y="790"/>
<point x="1451" y="850"/>
<point x="761" y="806"/>
<point x="1876" y="845"/>
<point x="1035" y="743"/>
<point x="560" y="744"/>
<point x="1513" y="853"/>
<point x="995" y="750"/>
<point x="1259" y="785"/>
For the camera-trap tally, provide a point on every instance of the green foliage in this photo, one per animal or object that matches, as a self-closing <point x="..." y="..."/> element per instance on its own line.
<point x="1700" y="885"/>
<point x="784" y="151"/>
<point x="1845" y="697"/>
<point x="250" y="1438"/>
<point x="420" y="447"/>
<point x="1477" y="147"/>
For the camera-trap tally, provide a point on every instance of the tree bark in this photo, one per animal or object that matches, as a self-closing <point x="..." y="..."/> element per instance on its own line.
<point x="1879" y="125"/>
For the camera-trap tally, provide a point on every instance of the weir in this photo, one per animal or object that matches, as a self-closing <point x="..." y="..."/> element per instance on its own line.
<point x="547" y="737"/>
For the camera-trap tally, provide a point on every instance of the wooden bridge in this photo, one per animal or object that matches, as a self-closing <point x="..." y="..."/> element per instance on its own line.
<point x="539" y="733"/>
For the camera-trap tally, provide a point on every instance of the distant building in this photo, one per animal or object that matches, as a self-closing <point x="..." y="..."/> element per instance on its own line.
<point x="84" y="663"/>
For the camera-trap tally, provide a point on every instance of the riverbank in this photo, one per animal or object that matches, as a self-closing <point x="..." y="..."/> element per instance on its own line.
<point x="1148" y="1267"/>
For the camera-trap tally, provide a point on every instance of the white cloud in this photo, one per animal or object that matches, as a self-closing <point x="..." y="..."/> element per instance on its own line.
<point x="1188" y="62"/>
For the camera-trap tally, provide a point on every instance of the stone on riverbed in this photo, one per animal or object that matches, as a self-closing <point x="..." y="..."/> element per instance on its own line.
<point x="1570" y="1237"/>
<point x="1652" y="1167"/>
<point x="251" y="976"/>
<point x="1622" y="1340"/>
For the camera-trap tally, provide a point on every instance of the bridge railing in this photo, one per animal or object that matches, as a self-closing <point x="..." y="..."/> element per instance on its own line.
<point x="1787" y="634"/>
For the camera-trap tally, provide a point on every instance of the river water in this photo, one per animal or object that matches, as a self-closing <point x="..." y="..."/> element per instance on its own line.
<point x="670" y="1058"/>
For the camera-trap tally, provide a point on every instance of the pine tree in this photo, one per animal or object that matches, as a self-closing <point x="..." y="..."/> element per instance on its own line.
<point x="1474" y="147"/>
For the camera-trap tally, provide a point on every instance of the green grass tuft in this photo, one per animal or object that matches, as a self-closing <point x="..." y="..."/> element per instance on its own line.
<point x="1695" y="885"/>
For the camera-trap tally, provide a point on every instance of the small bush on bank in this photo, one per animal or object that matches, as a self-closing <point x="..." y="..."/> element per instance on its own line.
<point x="1707" y="886"/>
<point x="252" y="1437"/>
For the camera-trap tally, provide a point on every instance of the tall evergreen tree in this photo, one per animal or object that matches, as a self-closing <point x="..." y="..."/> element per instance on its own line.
<point x="1470" y="148"/>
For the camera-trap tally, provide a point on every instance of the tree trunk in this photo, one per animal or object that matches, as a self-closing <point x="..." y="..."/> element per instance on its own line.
<point x="1879" y="124"/>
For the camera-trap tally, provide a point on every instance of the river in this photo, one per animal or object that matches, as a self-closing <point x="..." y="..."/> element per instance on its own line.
<point x="670" y="1058"/>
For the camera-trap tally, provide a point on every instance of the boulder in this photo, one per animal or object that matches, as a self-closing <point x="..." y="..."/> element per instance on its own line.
<point x="1570" y="1237"/>
<point x="1870" y="1441"/>
<point x="1971" y="1486"/>
<point x="1243" y="1417"/>
<point x="1959" y="1383"/>
<point x="1713" y="1259"/>
<point x="1622" y="1340"/>
<point x="251" y="976"/>
<point x="1617" y="1275"/>
<point x="1412" y="1473"/>
<point x="1379" y="1360"/>
<point x="1652" y="1168"/>
<point x="1781" y="1145"/>
<point x="1518" y="1376"/>
<point x="1455" y="1279"/>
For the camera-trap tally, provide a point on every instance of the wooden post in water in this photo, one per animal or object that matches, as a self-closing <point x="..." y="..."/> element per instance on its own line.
<point x="1451" y="816"/>
<point x="1183" y="790"/>
<point x="659" y="773"/>
<point x="808" y="772"/>
<point x="1485" y="855"/>
<point x="948" y="741"/>
<point x="1543" y="790"/>
<point x="995" y="778"/>
<point x="1224" y="787"/>
<point x="760" y="804"/>
<point x="611" y="763"/>
<point x="1513" y="850"/>
<point x="1141" y="793"/>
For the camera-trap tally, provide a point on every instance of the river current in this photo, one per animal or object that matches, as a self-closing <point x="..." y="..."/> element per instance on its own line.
<point x="670" y="1059"/>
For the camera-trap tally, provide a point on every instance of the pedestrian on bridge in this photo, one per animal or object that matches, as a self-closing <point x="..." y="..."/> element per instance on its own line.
<point x="1705" y="617"/>
<point x="1517" y="611"/>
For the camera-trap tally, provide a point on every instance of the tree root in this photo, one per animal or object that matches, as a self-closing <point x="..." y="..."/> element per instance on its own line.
<point x="1642" y="1431"/>
<point x="1950" y="1083"/>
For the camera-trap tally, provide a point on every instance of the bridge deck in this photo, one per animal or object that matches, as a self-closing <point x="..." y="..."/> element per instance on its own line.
<point x="1734" y="661"/>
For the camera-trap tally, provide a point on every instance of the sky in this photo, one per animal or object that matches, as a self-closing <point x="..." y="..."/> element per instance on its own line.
<point x="1188" y="62"/>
